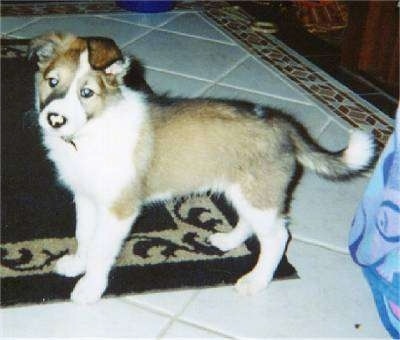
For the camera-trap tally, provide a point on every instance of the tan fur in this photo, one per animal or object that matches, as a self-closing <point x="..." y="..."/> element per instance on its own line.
<point x="127" y="203"/>
<point x="132" y="196"/>
<point x="192" y="145"/>
<point x="199" y="144"/>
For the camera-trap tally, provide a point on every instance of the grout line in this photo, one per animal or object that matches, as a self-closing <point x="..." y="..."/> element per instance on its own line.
<point x="230" y="42"/>
<point x="105" y="17"/>
<point x="136" y="38"/>
<point x="219" y="29"/>
<point x="148" y="32"/>
<point x="233" y="67"/>
<point x="235" y="40"/>
<point x="177" y="315"/>
<point x="267" y="94"/>
<point x="204" y="90"/>
<point x="320" y="244"/>
<point x="324" y="127"/>
<point x="213" y="82"/>
<point x="126" y="21"/>
<point x="160" y="28"/>
<point x="177" y="73"/>
<point x="62" y="15"/>
<point x="285" y="79"/>
<point x="204" y="328"/>
<point x="146" y="307"/>
<point x="196" y="36"/>
<point x="6" y="36"/>
<point x="217" y="82"/>
<point x="22" y="26"/>
<point x="342" y="123"/>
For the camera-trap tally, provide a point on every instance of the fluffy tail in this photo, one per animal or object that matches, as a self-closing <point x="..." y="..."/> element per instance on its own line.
<point x="357" y="157"/>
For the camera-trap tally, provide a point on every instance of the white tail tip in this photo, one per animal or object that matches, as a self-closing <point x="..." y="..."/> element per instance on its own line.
<point x="360" y="150"/>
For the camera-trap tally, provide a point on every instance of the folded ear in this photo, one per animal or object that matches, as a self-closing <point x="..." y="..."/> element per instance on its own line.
<point x="116" y="72"/>
<point x="44" y="47"/>
<point x="103" y="52"/>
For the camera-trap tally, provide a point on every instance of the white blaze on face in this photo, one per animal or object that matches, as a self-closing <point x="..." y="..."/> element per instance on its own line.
<point x="70" y="106"/>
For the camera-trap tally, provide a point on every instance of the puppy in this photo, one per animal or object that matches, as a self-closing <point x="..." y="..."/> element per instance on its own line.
<point x="117" y="148"/>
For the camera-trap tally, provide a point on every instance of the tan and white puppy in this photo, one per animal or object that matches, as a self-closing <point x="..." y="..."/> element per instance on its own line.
<point x="117" y="148"/>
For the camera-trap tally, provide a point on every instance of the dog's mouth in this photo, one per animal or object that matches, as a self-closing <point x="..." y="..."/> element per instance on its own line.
<point x="69" y="140"/>
<point x="58" y="126"/>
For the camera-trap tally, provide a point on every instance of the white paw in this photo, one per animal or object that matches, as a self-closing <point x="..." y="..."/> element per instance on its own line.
<point x="88" y="290"/>
<point x="70" y="265"/>
<point x="222" y="241"/>
<point x="251" y="284"/>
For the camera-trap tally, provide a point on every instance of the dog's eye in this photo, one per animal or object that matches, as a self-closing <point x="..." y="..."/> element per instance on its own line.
<point x="53" y="82"/>
<point x="86" y="92"/>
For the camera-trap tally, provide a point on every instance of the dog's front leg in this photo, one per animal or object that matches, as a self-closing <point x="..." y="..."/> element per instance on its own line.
<point x="103" y="250"/>
<point x="74" y="265"/>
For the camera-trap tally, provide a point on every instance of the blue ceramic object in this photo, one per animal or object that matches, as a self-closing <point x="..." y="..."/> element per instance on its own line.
<point x="149" y="6"/>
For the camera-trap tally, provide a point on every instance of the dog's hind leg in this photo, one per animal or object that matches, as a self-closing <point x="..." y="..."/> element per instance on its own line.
<point x="232" y="239"/>
<point x="272" y="235"/>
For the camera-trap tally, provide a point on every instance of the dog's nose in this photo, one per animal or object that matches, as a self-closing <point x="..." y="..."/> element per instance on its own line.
<point x="55" y="120"/>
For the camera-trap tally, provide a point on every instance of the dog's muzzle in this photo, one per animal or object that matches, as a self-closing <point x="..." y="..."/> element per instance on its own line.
<point x="56" y="120"/>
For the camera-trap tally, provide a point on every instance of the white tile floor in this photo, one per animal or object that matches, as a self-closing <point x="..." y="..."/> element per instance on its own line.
<point x="186" y="55"/>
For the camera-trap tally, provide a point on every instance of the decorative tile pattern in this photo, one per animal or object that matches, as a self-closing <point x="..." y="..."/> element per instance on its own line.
<point x="67" y="7"/>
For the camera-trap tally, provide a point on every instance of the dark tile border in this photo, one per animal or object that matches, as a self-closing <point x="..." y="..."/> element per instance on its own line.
<point x="59" y="7"/>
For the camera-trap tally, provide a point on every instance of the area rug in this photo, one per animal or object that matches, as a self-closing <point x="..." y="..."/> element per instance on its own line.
<point x="167" y="248"/>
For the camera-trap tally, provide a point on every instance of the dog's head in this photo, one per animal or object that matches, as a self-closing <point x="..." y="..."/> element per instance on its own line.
<point x="77" y="77"/>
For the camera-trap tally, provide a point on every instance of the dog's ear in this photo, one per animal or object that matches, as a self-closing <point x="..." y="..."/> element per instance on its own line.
<point x="135" y="77"/>
<point x="44" y="47"/>
<point x="103" y="52"/>
<point x="116" y="72"/>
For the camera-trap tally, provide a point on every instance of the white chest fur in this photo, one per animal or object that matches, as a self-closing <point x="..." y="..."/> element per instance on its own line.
<point x="103" y="161"/>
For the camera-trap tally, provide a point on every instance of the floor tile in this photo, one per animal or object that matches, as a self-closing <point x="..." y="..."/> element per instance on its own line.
<point x="311" y="116"/>
<point x="107" y="318"/>
<point x="174" y="85"/>
<point x="323" y="210"/>
<point x="253" y="75"/>
<point x="329" y="300"/>
<point x="182" y="330"/>
<point x="9" y="24"/>
<point x="85" y="26"/>
<point x="151" y="20"/>
<point x="186" y="55"/>
<point x="171" y="302"/>
<point x="193" y="24"/>
<point x="334" y="137"/>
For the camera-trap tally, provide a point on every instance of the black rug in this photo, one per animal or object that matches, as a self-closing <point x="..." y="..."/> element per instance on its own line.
<point x="167" y="248"/>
